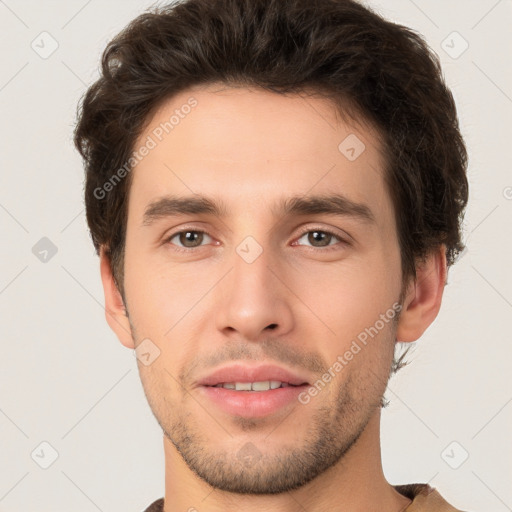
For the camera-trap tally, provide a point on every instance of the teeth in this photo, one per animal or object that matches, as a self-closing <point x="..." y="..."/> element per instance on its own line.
<point x="253" y="386"/>
<point x="243" y="386"/>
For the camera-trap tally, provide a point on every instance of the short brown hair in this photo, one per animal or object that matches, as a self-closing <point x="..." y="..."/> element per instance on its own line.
<point x="370" y="67"/>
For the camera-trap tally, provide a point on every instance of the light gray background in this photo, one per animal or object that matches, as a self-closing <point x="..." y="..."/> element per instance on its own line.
<point x="67" y="381"/>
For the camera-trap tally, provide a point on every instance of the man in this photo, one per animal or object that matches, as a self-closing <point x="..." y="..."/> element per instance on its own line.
<point x="275" y="190"/>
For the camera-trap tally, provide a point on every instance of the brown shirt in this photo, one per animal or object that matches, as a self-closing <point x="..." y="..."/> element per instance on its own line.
<point x="424" y="499"/>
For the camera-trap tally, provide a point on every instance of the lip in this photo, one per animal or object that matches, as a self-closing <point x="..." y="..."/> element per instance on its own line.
<point x="244" y="373"/>
<point x="252" y="404"/>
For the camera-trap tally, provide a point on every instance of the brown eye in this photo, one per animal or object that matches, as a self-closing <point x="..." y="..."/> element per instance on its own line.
<point x="188" y="239"/>
<point x="318" y="238"/>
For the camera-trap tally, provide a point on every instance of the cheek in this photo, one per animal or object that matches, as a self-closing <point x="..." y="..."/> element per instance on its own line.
<point x="348" y="296"/>
<point x="163" y="295"/>
<point x="149" y="293"/>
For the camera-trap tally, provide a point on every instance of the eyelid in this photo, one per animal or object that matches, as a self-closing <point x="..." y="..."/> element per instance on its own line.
<point x="304" y="230"/>
<point x="167" y="238"/>
<point x="329" y="231"/>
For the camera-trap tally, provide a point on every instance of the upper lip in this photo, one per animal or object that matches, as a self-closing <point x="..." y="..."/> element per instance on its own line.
<point x="242" y="373"/>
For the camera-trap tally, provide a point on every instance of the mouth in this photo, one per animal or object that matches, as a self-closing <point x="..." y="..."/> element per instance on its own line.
<point x="253" y="399"/>
<point x="262" y="377"/>
<point x="256" y="386"/>
<point x="253" y="391"/>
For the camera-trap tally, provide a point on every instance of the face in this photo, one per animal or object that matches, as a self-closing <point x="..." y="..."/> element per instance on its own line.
<point x="312" y="288"/>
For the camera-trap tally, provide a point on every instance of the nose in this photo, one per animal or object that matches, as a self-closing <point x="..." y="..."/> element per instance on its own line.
<point x="253" y="302"/>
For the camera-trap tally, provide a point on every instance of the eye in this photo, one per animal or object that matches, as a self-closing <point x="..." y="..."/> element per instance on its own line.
<point x="187" y="239"/>
<point x="319" y="238"/>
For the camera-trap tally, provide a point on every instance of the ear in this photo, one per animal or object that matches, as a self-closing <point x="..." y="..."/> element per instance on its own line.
<point x="423" y="298"/>
<point x="115" y="311"/>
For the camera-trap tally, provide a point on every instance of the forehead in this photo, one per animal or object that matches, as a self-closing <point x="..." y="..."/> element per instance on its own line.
<point x="250" y="145"/>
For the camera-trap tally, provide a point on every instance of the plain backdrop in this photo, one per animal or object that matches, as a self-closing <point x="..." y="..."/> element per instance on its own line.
<point x="76" y="431"/>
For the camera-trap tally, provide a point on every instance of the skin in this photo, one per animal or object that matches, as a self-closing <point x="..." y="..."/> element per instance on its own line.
<point x="208" y="307"/>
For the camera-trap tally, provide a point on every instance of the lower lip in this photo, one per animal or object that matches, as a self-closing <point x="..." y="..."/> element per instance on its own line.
<point x="253" y="404"/>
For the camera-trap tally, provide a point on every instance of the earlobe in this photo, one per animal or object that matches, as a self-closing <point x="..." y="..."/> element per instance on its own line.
<point x="115" y="312"/>
<point x="424" y="296"/>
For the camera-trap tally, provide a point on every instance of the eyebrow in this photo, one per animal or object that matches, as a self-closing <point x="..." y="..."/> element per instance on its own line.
<point x="330" y="204"/>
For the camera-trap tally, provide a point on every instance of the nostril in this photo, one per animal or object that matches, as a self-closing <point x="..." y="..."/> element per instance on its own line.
<point x="272" y="326"/>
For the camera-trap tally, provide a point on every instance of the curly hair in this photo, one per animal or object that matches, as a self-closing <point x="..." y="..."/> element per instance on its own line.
<point x="372" y="69"/>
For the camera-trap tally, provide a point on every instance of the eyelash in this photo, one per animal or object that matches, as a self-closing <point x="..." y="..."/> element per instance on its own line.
<point x="304" y="232"/>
